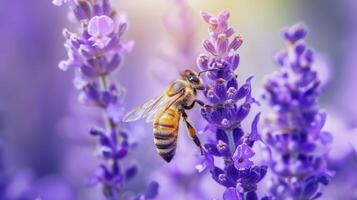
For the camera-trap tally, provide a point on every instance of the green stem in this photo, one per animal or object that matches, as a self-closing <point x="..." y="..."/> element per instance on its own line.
<point x="231" y="142"/>
<point x="108" y="124"/>
<point x="120" y="192"/>
<point x="104" y="82"/>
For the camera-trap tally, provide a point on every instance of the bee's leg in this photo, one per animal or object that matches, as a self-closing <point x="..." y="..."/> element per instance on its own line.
<point x="199" y="102"/>
<point x="191" y="131"/>
<point x="188" y="107"/>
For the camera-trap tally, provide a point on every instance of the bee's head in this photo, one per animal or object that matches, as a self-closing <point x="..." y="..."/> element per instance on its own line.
<point x="193" y="78"/>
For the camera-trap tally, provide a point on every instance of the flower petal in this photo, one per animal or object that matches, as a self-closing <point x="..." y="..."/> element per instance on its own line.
<point x="231" y="194"/>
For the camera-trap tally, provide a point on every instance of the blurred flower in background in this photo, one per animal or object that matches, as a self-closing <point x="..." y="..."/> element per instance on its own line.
<point x="178" y="51"/>
<point x="31" y="151"/>
<point x="94" y="53"/>
<point x="349" y="61"/>
<point x="181" y="27"/>
<point x="294" y="130"/>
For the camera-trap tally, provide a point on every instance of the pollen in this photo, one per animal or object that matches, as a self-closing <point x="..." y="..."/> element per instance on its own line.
<point x="213" y="26"/>
<point x="222" y="36"/>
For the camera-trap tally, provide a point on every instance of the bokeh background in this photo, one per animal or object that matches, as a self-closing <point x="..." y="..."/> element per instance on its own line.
<point x="45" y="148"/>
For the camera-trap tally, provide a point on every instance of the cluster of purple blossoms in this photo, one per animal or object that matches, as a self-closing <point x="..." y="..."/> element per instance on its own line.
<point x="180" y="25"/>
<point x="230" y="105"/>
<point x="299" y="146"/>
<point x="94" y="54"/>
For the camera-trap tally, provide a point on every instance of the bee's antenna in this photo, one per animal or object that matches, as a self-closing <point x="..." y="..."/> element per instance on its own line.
<point x="208" y="70"/>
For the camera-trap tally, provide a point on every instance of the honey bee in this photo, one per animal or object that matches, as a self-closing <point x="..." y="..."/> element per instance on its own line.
<point x="166" y="111"/>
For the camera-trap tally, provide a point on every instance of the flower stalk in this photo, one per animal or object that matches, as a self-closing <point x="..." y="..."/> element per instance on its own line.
<point x="94" y="54"/>
<point x="230" y="105"/>
<point x="294" y="131"/>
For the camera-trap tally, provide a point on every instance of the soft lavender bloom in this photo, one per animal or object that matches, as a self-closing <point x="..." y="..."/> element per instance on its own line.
<point x="348" y="68"/>
<point x="22" y="184"/>
<point x="230" y="105"/>
<point x="299" y="146"/>
<point x="181" y="27"/>
<point x="100" y="27"/>
<point x="242" y="155"/>
<point x="94" y="54"/>
<point x="179" y="52"/>
<point x="231" y="194"/>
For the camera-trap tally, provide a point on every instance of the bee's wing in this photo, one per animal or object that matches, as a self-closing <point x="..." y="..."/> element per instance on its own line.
<point x="164" y="104"/>
<point x="142" y="110"/>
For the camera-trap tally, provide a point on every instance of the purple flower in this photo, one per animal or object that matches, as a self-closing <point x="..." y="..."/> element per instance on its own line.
<point x="180" y="52"/>
<point x="181" y="27"/>
<point x="295" y="33"/>
<point x="294" y="131"/>
<point x="242" y="155"/>
<point x="94" y="54"/>
<point x="207" y="163"/>
<point x="98" y="49"/>
<point x="230" y="103"/>
<point x="231" y="194"/>
<point x="100" y="27"/>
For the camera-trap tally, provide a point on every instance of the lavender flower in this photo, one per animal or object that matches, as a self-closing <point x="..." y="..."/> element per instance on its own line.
<point x="180" y="25"/>
<point x="94" y="54"/>
<point x="241" y="157"/>
<point x="231" y="104"/>
<point x="299" y="147"/>
<point x="179" y="52"/>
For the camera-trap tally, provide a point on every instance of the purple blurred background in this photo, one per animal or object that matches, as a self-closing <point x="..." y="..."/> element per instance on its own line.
<point x="45" y="147"/>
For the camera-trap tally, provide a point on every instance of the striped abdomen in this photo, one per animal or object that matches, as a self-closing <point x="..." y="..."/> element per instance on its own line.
<point x="165" y="133"/>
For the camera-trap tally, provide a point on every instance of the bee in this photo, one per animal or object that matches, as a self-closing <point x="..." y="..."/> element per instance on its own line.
<point x="166" y="111"/>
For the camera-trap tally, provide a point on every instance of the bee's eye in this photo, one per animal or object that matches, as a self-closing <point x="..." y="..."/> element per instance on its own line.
<point x="193" y="79"/>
